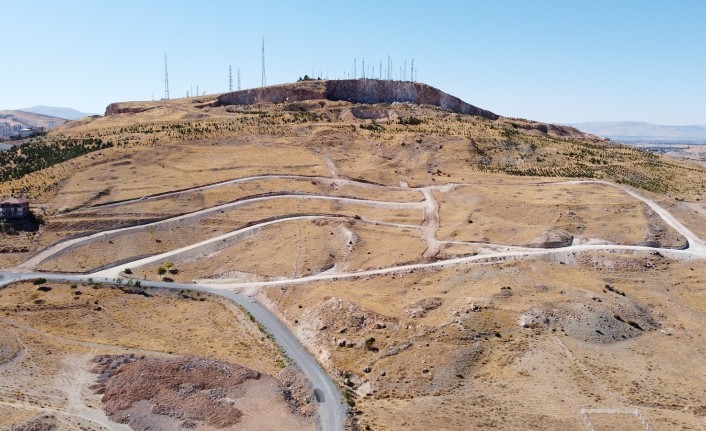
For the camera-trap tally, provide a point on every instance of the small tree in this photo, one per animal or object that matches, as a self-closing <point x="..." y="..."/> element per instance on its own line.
<point x="161" y="270"/>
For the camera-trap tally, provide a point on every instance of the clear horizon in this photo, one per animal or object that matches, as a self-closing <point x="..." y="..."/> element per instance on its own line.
<point x="550" y="61"/>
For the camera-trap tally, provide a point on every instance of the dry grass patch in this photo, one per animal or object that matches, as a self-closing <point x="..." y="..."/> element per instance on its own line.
<point x="522" y="215"/>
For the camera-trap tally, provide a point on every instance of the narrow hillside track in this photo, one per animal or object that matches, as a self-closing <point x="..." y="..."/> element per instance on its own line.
<point x="331" y="412"/>
<point x="64" y="246"/>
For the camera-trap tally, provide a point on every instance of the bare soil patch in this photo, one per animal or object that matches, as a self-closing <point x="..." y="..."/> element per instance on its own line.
<point x="168" y="393"/>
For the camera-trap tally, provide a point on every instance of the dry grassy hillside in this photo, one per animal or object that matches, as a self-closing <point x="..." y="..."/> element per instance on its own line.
<point x="450" y="271"/>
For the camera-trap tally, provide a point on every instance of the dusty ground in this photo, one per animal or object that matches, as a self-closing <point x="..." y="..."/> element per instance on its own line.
<point x="301" y="248"/>
<point x="150" y="393"/>
<point x="522" y="214"/>
<point x="528" y="343"/>
<point x="508" y="345"/>
<point x="49" y="340"/>
<point x="169" y="236"/>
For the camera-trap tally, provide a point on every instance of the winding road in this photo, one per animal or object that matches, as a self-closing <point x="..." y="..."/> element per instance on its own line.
<point x="331" y="413"/>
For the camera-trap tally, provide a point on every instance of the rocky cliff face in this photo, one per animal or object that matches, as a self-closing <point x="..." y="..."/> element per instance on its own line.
<point x="357" y="91"/>
<point x="123" y="108"/>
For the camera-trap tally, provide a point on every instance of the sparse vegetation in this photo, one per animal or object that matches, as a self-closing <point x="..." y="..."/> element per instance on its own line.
<point x="23" y="159"/>
<point x="409" y="121"/>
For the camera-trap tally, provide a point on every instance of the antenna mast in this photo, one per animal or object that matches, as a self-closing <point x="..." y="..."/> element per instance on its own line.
<point x="412" y="74"/>
<point x="230" y="78"/>
<point x="264" y="76"/>
<point x="238" y="79"/>
<point x="166" y="79"/>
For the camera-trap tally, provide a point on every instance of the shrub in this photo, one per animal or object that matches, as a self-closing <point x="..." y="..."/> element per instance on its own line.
<point x="38" y="281"/>
<point x="128" y="271"/>
<point x="409" y="121"/>
<point x="369" y="342"/>
<point x="161" y="270"/>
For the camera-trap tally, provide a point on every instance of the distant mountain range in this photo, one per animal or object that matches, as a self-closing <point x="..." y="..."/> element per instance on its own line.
<point x="52" y="111"/>
<point x="635" y="131"/>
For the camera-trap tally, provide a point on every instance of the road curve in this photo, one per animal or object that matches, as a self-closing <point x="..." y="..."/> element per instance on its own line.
<point x="331" y="412"/>
<point x="63" y="246"/>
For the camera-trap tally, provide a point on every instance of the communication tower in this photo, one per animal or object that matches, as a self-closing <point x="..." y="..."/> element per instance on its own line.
<point x="166" y="79"/>
<point x="264" y="76"/>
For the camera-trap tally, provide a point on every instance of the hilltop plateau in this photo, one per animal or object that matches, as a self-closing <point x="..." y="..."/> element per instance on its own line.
<point x="446" y="266"/>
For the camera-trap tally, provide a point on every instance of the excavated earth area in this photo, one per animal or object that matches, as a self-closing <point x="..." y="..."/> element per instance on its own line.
<point x="170" y="393"/>
<point x="50" y="336"/>
<point x="513" y="345"/>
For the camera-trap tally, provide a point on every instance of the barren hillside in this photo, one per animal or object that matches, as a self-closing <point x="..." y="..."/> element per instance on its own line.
<point x="448" y="268"/>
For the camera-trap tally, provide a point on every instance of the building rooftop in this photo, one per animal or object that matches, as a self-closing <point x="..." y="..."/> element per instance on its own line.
<point x="14" y="201"/>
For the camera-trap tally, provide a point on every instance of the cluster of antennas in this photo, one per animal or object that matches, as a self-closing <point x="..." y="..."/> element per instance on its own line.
<point x="388" y="72"/>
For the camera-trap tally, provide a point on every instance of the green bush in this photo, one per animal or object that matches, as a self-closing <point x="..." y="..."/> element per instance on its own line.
<point x="38" y="281"/>
<point x="409" y="121"/>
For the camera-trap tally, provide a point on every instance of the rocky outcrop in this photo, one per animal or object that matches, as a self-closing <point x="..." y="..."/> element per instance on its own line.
<point x="370" y="91"/>
<point x="552" y="238"/>
<point x="122" y="108"/>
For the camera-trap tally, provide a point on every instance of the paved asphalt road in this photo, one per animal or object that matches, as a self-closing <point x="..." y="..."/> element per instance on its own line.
<point x="331" y="412"/>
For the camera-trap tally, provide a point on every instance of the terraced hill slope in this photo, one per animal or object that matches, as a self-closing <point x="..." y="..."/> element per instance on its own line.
<point x="448" y="270"/>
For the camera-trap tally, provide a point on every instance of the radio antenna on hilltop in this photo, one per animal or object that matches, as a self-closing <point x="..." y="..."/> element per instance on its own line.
<point x="230" y="78"/>
<point x="412" y="74"/>
<point x="264" y="76"/>
<point x="166" y="79"/>
<point x="238" y="79"/>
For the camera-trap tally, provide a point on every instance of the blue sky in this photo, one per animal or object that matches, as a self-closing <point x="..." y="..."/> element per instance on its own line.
<point x="553" y="61"/>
